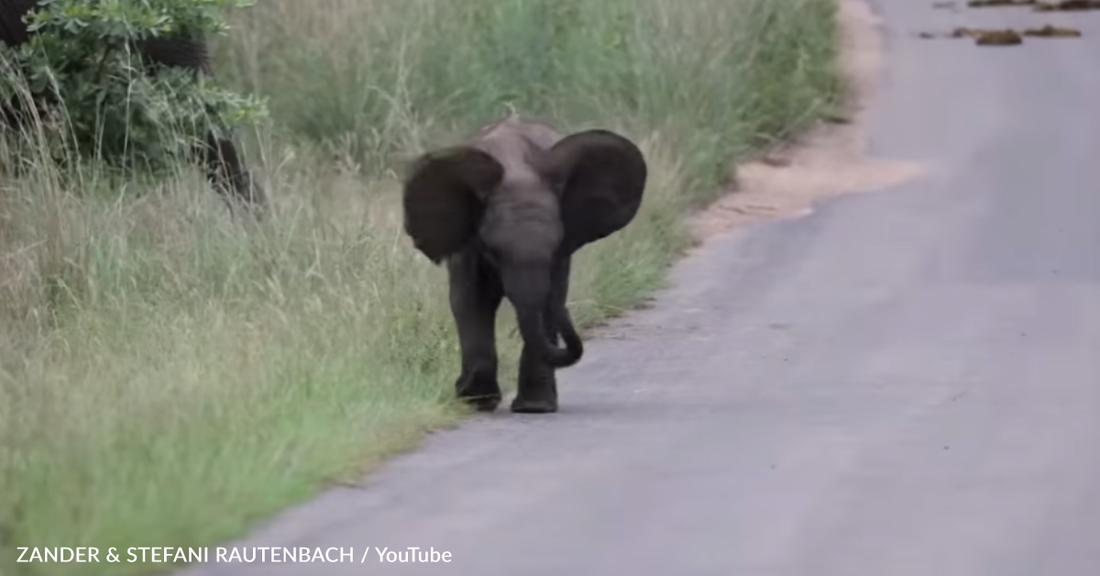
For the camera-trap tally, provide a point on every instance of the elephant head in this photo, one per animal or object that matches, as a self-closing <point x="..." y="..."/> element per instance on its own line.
<point x="525" y="199"/>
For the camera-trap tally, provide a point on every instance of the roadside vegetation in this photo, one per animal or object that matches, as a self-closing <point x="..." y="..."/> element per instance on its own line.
<point x="170" y="374"/>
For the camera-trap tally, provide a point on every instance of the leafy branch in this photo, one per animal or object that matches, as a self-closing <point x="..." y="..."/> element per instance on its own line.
<point x="117" y="107"/>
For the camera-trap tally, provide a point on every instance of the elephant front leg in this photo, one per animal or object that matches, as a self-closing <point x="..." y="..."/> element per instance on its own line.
<point x="538" y="385"/>
<point x="475" y="297"/>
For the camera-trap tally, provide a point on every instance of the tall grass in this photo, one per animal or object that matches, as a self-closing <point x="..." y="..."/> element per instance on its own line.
<point x="169" y="374"/>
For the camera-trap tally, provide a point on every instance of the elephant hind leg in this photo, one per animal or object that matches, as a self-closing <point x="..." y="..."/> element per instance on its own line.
<point x="226" y="172"/>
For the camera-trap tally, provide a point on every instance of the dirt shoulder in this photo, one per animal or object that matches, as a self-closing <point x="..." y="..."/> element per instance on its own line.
<point x="827" y="161"/>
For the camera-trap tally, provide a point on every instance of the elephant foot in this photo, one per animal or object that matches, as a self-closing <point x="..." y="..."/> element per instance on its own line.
<point x="483" y="394"/>
<point x="537" y="388"/>
<point x="486" y="403"/>
<point x="522" y="405"/>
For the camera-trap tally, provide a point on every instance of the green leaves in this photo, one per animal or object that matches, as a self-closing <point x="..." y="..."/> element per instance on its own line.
<point x="114" y="105"/>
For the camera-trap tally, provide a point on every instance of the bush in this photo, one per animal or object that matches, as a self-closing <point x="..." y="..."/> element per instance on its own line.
<point x="102" y="100"/>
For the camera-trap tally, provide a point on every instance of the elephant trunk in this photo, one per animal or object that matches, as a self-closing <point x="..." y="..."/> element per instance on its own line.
<point x="529" y="292"/>
<point x="573" y="344"/>
<point x="532" y="327"/>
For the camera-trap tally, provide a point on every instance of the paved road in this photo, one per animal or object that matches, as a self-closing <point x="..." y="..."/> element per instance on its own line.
<point x="904" y="383"/>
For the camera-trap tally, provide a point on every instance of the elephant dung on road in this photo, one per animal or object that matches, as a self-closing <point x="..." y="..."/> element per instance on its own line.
<point x="506" y="211"/>
<point x="223" y="165"/>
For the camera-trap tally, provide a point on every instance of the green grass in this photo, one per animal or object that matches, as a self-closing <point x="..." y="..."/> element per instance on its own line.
<point x="169" y="375"/>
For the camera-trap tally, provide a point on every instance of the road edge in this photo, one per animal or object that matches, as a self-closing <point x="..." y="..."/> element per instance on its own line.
<point x="829" y="159"/>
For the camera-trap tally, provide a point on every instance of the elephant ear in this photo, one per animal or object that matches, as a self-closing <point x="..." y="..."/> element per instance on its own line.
<point x="443" y="198"/>
<point x="602" y="177"/>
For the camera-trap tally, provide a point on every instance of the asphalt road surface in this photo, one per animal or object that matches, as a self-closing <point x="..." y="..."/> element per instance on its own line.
<point x="904" y="383"/>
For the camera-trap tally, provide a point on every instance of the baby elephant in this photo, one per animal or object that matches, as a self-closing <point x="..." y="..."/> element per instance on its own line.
<point x="507" y="211"/>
